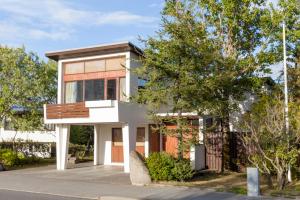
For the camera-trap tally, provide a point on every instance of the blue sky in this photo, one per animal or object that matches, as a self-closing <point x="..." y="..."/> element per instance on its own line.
<point x="46" y="25"/>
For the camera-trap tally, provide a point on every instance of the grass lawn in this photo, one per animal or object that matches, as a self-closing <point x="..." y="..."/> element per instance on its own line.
<point x="236" y="183"/>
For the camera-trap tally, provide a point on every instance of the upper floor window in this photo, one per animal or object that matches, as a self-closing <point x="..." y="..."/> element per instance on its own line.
<point x="74" y="91"/>
<point x="99" y="65"/>
<point x="94" y="90"/>
<point x="97" y="89"/>
<point x="111" y="89"/>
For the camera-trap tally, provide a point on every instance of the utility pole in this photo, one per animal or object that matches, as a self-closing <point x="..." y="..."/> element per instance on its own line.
<point x="286" y="106"/>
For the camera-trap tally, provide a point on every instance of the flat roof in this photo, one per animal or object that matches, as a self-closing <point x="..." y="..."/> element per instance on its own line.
<point x="100" y="49"/>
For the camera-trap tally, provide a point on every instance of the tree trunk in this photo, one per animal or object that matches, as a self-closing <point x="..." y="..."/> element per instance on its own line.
<point x="225" y="128"/>
<point x="281" y="179"/>
<point x="269" y="181"/>
<point x="180" y="136"/>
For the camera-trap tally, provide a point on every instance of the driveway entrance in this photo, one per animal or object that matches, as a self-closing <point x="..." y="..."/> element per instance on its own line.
<point x="94" y="183"/>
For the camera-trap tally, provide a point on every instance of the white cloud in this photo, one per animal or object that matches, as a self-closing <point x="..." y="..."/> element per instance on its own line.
<point x="122" y="18"/>
<point x="154" y="5"/>
<point x="56" y="19"/>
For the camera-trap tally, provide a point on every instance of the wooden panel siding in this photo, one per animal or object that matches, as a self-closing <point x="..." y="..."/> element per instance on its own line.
<point x="94" y="75"/>
<point x="154" y="139"/>
<point x="214" y="148"/>
<point x="117" y="155"/>
<point x="72" y="110"/>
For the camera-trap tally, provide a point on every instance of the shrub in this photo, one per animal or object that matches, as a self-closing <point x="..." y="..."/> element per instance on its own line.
<point x="11" y="158"/>
<point x="182" y="170"/>
<point x="8" y="157"/>
<point x="77" y="150"/>
<point x="160" y="166"/>
<point x="165" y="167"/>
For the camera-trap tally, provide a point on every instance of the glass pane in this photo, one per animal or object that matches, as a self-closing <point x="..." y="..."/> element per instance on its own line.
<point x="140" y="136"/>
<point x="95" y="66"/>
<point x="74" y="68"/>
<point x="122" y="90"/>
<point x="115" y="64"/>
<point x="94" y="90"/>
<point x="111" y="89"/>
<point x="74" y="92"/>
<point x="117" y="139"/>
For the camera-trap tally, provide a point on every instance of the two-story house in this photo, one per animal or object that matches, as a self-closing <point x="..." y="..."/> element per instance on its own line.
<point x="94" y="88"/>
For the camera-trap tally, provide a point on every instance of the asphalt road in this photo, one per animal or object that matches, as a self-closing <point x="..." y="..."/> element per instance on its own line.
<point x="16" y="195"/>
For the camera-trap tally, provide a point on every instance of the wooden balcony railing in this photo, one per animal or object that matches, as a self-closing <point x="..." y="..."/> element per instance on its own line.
<point x="71" y="110"/>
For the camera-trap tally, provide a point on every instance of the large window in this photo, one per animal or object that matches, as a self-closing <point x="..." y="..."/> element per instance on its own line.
<point x="74" y="92"/>
<point x="111" y="89"/>
<point x="94" y="90"/>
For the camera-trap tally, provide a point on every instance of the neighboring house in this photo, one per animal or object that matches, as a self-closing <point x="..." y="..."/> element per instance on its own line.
<point x="94" y="88"/>
<point x="23" y="136"/>
<point x="36" y="142"/>
<point x="8" y="132"/>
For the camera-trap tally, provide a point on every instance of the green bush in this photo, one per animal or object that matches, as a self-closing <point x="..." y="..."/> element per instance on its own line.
<point x="160" y="166"/>
<point x="165" y="167"/>
<point x="8" y="157"/>
<point x="182" y="170"/>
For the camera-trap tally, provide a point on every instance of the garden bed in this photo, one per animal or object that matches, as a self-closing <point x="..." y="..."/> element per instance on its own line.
<point x="235" y="183"/>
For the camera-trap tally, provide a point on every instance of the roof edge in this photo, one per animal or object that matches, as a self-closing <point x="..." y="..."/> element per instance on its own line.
<point x="56" y="55"/>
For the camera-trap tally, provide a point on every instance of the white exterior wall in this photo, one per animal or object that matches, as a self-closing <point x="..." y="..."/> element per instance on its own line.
<point x="243" y="106"/>
<point x="34" y="136"/>
<point x="197" y="156"/>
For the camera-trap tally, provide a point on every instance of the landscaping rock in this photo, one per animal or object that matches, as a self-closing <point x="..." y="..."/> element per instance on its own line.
<point x="139" y="173"/>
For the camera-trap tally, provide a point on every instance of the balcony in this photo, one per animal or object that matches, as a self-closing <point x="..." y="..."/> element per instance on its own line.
<point x="90" y="112"/>
<point x="71" y="110"/>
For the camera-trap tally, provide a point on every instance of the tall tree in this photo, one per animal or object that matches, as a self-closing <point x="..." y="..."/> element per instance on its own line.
<point x="238" y="28"/>
<point x="26" y="83"/>
<point x="287" y="11"/>
<point x="171" y="65"/>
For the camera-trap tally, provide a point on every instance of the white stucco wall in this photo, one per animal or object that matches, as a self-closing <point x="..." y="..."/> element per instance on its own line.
<point x="197" y="156"/>
<point x="243" y="106"/>
<point x="34" y="136"/>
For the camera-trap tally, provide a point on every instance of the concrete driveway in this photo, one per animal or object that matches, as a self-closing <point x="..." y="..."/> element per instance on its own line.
<point x="96" y="182"/>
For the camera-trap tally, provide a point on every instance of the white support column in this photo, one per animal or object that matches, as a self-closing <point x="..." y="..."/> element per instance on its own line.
<point x="96" y="145"/>
<point x="129" y="143"/>
<point x="146" y="140"/>
<point x="62" y="146"/>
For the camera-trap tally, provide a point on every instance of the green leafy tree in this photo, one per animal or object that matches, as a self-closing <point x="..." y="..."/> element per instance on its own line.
<point x="82" y="135"/>
<point x="171" y="67"/>
<point x="26" y="83"/>
<point x="270" y="148"/>
<point x="287" y="11"/>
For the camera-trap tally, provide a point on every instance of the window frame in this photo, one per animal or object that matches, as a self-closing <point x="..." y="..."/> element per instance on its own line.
<point x="91" y="60"/>
<point x="117" y="79"/>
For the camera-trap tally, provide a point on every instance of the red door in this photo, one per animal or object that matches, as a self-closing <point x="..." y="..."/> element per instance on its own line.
<point x="154" y="140"/>
<point x="117" y="146"/>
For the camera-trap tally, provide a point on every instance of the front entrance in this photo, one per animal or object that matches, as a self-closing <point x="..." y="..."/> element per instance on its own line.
<point x="117" y="155"/>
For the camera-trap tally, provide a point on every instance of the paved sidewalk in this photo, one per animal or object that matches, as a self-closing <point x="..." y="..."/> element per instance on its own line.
<point x="96" y="182"/>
